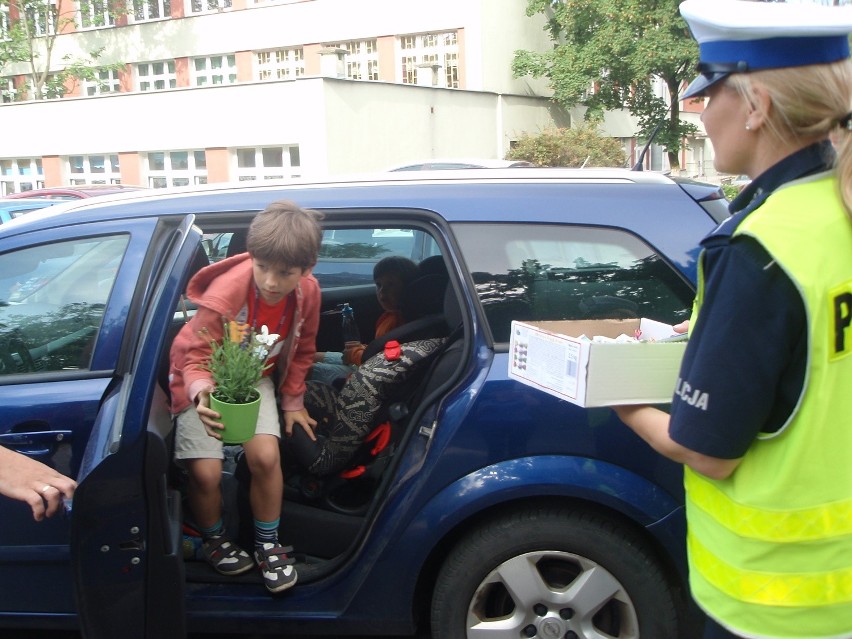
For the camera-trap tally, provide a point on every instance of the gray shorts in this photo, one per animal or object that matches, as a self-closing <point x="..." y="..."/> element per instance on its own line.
<point x="193" y="442"/>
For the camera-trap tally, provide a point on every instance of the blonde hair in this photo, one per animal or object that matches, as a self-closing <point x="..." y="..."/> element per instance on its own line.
<point x="808" y="103"/>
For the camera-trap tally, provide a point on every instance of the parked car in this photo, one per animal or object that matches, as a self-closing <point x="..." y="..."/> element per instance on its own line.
<point x="495" y="507"/>
<point x="12" y="208"/>
<point x="76" y="192"/>
<point x="462" y="163"/>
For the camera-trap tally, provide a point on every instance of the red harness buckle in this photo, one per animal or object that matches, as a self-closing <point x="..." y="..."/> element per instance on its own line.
<point x="352" y="473"/>
<point x="381" y="434"/>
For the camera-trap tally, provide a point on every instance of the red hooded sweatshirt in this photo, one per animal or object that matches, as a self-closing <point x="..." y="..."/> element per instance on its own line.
<point x="221" y="291"/>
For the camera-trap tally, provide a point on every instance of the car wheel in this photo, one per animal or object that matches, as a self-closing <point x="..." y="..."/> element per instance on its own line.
<point x="553" y="574"/>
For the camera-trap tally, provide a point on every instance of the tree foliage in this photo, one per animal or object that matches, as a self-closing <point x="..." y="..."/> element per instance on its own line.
<point x="30" y="37"/>
<point x="619" y="47"/>
<point x="576" y="147"/>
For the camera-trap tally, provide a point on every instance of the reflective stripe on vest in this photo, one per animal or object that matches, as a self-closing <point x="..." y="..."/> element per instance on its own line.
<point x="806" y="524"/>
<point x="804" y="589"/>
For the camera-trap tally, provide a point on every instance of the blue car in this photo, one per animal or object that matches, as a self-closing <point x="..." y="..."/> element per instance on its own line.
<point x="487" y="508"/>
<point x="12" y="208"/>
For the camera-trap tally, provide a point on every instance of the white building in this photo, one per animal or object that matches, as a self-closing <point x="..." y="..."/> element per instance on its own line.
<point x="226" y="90"/>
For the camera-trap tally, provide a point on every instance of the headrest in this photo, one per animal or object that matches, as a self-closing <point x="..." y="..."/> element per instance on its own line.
<point x="423" y="296"/>
<point x="736" y="36"/>
<point x="237" y="243"/>
<point x="433" y="265"/>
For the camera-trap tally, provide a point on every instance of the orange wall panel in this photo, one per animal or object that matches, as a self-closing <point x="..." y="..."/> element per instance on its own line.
<point x="52" y="167"/>
<point x="182" y="72"/>
<point x="245" y="66"/>
<point x="386" y="46"/>
<point x="311" y="55"/>
<point x="130" y="164"/>
<point x="218" y="165"/>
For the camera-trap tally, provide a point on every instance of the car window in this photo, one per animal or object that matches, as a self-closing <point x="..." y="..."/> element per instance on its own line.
<point x="547" y="272"/>
<point x="347" y="255"/>
<point x="52" y="301"/>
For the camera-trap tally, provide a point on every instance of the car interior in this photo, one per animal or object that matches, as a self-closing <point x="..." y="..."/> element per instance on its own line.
<point x="324" y="513"/>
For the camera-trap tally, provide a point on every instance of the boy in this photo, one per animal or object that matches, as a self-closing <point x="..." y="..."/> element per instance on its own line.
<point x="271" y="286"/>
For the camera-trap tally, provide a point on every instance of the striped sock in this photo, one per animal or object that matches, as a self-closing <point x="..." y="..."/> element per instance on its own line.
<point x="216" y="530"/>
<point x="266" y="532"/>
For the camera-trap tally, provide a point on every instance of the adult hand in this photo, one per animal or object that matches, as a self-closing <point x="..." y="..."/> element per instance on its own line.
<point x="37" y="484"/>
<point x="301" y="417"/>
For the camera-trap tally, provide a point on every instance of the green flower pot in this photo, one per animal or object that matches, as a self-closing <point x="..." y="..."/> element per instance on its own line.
<point x="240" y="420"/>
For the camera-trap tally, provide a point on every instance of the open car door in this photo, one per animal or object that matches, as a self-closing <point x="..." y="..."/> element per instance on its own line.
<point x="125" y="522"/>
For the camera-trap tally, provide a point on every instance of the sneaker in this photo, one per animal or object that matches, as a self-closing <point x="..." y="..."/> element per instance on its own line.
<point x="277" y="568"/>
<point x="225" y="556"/>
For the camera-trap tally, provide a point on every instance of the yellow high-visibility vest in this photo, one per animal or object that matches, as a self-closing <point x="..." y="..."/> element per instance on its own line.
<point x="770" y="547"/>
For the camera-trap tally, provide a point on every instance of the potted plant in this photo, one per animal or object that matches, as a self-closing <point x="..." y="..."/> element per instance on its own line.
<point x="237" y="364"/>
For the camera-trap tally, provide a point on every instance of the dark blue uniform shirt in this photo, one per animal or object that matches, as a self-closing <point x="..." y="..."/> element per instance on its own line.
<point x="746" y="358"/>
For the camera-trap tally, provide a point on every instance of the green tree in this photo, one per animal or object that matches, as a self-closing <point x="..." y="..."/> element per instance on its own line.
<point x="619" y="47"/>
<point x="577" y="147"/>
<point x="30" y="39"/>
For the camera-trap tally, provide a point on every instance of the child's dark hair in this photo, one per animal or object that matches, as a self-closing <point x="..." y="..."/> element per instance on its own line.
<point x="395" y="265"/>
<point x="285" y="233"/>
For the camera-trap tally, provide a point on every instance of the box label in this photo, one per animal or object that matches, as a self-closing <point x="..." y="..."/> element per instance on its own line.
<point x="548" y="361"/>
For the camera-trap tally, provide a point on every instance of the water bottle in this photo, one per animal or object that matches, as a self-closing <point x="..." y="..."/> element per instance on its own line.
<point x="351" y="335"/>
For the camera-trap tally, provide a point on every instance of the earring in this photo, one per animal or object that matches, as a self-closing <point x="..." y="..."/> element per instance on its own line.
<point x="748" y="126"/>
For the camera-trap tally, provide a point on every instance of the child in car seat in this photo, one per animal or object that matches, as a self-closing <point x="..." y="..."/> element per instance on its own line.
<point x="270" y="286"/>
<point x="391" y="275"/>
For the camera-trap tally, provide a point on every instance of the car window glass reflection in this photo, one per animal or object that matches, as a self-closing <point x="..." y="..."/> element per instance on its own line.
<point x="52" y="301"/>
<point x="543" y="272"/>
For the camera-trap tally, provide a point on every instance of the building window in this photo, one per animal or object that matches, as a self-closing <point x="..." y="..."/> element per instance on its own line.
<point x="4" y="21"/>
<point x="280" y="64"/>
<point x="94" y="169"/>
<point x="439" y="50"/>
<point x="156" y="76"/>
<point x="95" y="13"/>
<point x="21" y="174"/>
<point x="214" y="69"/>
<point x="107" y="82"/>
<point x="267" y="163"/>
<point x="43" y="18"/>
<point x="7" y="90"/>
<point x="145" y="10"/>
<point x="361" y="60"/>
<point x="203" y="6"/>
<point x="176" y="168"/>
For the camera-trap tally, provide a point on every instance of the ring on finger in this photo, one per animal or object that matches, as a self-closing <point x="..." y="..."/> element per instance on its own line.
<point x="46" y="488"/>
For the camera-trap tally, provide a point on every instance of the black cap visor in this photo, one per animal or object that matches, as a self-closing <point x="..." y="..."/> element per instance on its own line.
<point x="700" y="84"/>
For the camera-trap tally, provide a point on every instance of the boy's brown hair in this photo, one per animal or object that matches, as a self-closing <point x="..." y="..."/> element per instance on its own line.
<point x="287" y="234"/>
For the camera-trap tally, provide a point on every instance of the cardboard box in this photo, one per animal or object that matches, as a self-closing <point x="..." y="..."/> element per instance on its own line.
<point x="549" y="356"/>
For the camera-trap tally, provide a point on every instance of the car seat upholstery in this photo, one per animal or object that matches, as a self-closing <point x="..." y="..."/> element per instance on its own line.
<point x="346" y="417"/>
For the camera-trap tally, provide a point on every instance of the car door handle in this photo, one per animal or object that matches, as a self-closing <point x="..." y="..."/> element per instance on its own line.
<point x="36" y="443"/>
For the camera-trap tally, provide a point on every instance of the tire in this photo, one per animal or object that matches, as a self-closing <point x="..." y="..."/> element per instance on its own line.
<point x="553" y="574"/>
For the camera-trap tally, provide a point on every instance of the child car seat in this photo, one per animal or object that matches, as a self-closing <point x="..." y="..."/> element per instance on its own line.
<point x="366" y="420"/>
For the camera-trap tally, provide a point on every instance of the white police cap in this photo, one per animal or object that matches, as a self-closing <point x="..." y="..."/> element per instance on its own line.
<point x="735" y="36"/>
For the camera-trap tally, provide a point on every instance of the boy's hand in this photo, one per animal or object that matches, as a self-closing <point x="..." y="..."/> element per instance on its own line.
<point x="302" y="418"/>
<point x="348" y="349"/>
<point x="207" y="415"/>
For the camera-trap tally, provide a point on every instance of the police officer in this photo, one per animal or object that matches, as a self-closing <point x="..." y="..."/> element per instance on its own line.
<point x="762" y="412"/>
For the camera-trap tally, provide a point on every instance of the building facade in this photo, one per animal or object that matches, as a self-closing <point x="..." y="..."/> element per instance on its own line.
<point x="231" y="90"/>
